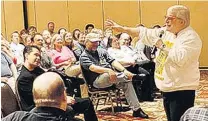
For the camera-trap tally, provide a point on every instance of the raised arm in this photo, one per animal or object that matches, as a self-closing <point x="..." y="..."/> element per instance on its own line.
<point x="115" y="26"/>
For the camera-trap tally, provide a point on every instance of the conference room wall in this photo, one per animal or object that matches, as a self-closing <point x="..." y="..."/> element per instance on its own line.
<point x="83" y="12"/>
<point x="153" y="13"/>
<point x="199" y="22"/>
<point x="3" y="28"/>
<point x="71" y="15"/>
<point x="124" y="12"/>
<point x="11" y="17"/>
<point x="41" y="12"/>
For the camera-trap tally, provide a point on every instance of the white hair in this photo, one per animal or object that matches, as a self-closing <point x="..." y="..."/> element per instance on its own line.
<point x="181" y="12"/>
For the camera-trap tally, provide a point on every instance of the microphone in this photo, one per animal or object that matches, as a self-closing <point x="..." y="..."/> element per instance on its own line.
<point x="154" y="49"/>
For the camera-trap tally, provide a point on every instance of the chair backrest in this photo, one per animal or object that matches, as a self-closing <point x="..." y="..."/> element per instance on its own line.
<point x="9" y="102"/>
<point x="17" y="95"/>
<point x="84" y="77"/>
<point x="85" y="80"/>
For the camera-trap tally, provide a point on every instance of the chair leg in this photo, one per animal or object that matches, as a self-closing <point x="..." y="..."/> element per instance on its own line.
<point x="119" y="97"/>
<point x="116" y="96"/>
<point x="105" y="101"/>
<point x="112" y="107"/>
<point x="97" y="103"/>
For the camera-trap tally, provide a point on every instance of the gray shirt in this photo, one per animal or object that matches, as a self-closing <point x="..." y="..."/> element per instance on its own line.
<point x="98" y="58"/>
<point x="5" y="65"/>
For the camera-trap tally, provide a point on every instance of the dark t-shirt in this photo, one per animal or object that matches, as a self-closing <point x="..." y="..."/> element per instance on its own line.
<point x="24" y="86"/>
<point x="40" y="114"/>
<point x="98" y="58"/>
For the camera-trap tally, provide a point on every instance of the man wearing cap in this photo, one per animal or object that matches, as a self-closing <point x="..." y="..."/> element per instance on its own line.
<point x="97" y="67"/>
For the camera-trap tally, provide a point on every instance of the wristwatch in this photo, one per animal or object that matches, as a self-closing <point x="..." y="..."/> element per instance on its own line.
<point x="162" y="46"/>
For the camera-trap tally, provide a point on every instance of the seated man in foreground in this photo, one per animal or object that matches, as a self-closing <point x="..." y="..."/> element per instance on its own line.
<point x="30" y="70"/>
<point x="50" y="99"/>
<point x="97" y="68"/>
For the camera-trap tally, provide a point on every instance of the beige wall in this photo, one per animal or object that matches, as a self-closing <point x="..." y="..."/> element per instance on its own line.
<point x="199" y="19"/>
<point x="12" y="17"/>
<point x="3" y="24"/>
<point x="82" y="13"/>
<point x="153" y="13"/>
<point x="125" y="12"/>
<point x="71" y="15"/>
<point x="41" y="12"/>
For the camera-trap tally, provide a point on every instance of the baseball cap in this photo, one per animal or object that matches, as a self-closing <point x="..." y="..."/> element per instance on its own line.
<point x="93" y="37"/>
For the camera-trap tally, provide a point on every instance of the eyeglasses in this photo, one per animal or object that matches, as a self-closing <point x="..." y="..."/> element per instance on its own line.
<point x="170" y="17"/>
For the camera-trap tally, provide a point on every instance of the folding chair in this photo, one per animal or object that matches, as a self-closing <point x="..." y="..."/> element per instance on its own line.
<point x="9" y="101"/>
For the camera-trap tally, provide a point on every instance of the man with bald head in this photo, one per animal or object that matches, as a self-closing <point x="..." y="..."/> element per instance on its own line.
<point x="30" y="71"/>
<point x="48" y="90"/>
<point x="177" y="68"/>
<point x="50" y="100"/>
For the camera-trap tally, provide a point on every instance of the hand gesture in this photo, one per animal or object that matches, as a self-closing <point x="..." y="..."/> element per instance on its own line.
<point x="112" y="25"/>
<point x="112" y="75"/>
<point x="128" y="74"/>
<point x="68" y="63"/>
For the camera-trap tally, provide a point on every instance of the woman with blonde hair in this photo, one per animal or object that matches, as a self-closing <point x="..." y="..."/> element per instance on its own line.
<point x="63" y="57"/>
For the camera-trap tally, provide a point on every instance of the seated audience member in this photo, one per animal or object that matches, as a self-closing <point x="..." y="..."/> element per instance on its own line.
<point x="17" y="49"/>
<point x="124" y="39"/>
<point x="79" y="46"/>
<point x="28" y="40"/>
<point x="49" y="105"/>
<point x="38" y="40"/>
<point x="62" y="31"/>
<point x="195" y="114"/>
<point x="97" y="68"/>
<point x="8" y="70"/>
<point x="32" y="30"/>
<point x="47" y="39"/>
<point x="133" y="62"/>
<point x="69" y="42"/>
<point x="75" y="35"/>
<point x="88" y="28"/>
<point x="51" y="27"/>
<point x="45" y="61"/>
<point x="5" y="46"/>
<point x="107" y="34"/>
<point x="30" y="71"/>
<point x="144" y="51"/>
<point x="64" y="58"/>
<point x="23" y="35"/>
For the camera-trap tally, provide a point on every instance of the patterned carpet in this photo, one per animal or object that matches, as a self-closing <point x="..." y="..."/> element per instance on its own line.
<point x="153" y="109"/>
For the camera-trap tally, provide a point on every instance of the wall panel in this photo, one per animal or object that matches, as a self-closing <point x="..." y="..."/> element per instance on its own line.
<point x="82" y="13"/>
<point x="13" y="17"/>
<point x="55" y="11"/>
<point x="3" y="24"/>
<point x="199" y="19"/>
<point x="31" y="13"/>
<point x="153" y="12"/>
<point x="123" y="12"/>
